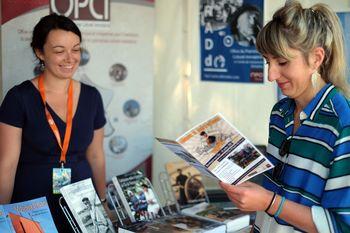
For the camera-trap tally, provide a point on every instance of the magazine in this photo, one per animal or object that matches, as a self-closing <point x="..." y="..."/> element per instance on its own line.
<point x="234" y="219"/>
<point x="186" y="183"/>
<point x="217" y="149"/>
<point x="137" y="196"/>
<point x="29" y="216"/>
<point x="86" y="207"/>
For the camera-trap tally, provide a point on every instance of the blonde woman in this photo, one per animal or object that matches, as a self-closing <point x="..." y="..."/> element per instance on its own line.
<point x="309" y="133"/>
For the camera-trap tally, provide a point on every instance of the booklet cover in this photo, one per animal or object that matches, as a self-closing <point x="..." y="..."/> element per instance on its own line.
<point x="186" y="183"/>
<point x="137" y="196"/>
<point x="32" y="216"/>
<point x="234" y="219"/>
<point x="217" y="149"/>
<point x="5" y="222"/>
<point x="86" y="207"/>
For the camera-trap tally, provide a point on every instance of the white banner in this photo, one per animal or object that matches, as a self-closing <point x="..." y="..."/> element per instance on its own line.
<point x="117" y="58"/>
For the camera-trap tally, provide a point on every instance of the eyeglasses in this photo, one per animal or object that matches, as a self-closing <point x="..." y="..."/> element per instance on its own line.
<point x="283" y="151"/>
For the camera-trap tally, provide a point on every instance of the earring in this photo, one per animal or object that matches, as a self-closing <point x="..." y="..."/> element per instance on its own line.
<point x="42" y="66"/>
<point x="315" y="79"/>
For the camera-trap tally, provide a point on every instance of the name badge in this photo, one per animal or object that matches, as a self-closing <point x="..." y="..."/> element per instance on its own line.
<point x="60" y="177"/>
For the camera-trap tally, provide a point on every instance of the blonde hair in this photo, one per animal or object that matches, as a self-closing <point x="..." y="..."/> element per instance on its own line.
<point x="304" y="29"/>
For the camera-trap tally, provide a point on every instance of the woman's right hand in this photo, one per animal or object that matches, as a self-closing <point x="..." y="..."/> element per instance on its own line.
<point x="248" y="196"/>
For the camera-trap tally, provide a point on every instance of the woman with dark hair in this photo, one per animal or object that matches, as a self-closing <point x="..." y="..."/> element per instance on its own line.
<point x="51" y="127"/>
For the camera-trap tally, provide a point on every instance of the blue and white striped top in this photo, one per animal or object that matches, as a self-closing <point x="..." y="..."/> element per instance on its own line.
<point x="317" y="168"/>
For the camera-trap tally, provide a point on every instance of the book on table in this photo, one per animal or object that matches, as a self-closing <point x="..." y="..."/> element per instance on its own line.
<point x="137" y="196"/>
<point x="218" y="149"/>
<point x="32" y="216"/>
<point x="186" y="183"/>
<point x="86" y="207"/>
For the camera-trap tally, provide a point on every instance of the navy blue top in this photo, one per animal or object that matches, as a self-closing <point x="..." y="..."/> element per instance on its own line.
<point x="23" y="108"/>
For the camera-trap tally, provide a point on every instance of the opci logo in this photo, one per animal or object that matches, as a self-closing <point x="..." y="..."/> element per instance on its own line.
<point x="82" y="9"/>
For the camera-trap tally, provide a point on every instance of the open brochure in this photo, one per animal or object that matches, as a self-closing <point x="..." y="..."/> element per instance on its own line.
<point x="217" y="149"/>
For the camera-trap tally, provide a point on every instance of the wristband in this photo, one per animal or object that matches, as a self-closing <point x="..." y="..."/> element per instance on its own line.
<point x="273" y="199"/>
<point x="103" y="200"/>
<point x="280" y="207"/>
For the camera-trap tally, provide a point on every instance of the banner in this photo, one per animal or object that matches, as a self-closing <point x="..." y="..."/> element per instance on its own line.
<point x="228" y="30"/>
<point x="345" y="21"/>
<point x="117" y="58"/>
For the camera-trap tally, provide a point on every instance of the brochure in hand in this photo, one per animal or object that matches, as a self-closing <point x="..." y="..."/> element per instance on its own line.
<point x="217" y="149"/>
<point x="86" y="207"/>
<point x="29" y="216"/>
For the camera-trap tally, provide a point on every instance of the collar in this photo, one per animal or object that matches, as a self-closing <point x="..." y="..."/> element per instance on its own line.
<point x="311" y="109"/>
<point x="288" y="106"/>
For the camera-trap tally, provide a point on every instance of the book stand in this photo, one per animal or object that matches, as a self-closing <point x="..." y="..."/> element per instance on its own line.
<point x="68" y="215"/>
<point x="168" y="194"/>
<point x="113" y="196"/>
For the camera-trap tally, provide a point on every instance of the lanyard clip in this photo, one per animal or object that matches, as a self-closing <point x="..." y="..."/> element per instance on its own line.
<point x="62" y="165"/>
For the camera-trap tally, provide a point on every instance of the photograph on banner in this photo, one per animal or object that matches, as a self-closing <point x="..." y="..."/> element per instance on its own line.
<point x="228" y="31"/>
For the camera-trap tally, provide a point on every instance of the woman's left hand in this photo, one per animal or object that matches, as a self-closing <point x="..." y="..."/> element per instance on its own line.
<point x="248" y="196"/>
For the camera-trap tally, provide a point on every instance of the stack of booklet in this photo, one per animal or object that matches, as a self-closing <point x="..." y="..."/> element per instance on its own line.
<point x="141" y="204"/>
<point x="144" y="210"/>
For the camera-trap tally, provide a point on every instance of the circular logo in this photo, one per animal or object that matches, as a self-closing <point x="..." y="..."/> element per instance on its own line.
<point x="228" y="41"/>
<point x="131" y="108"/>
<point x="117" y="144"/>
<point x="118" y="72"/>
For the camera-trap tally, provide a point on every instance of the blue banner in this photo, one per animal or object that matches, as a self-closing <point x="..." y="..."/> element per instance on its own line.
<point x="228" y="30"/>
<point x="345" y="21"/>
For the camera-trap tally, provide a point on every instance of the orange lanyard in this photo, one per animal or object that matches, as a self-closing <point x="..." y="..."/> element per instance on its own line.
<point x="69" y="118"/>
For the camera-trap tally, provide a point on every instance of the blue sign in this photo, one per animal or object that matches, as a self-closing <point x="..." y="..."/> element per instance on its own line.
<point x="228" y="30"/>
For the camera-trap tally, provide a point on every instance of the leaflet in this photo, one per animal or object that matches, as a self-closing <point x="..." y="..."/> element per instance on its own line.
<point x="219" y="150"/>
